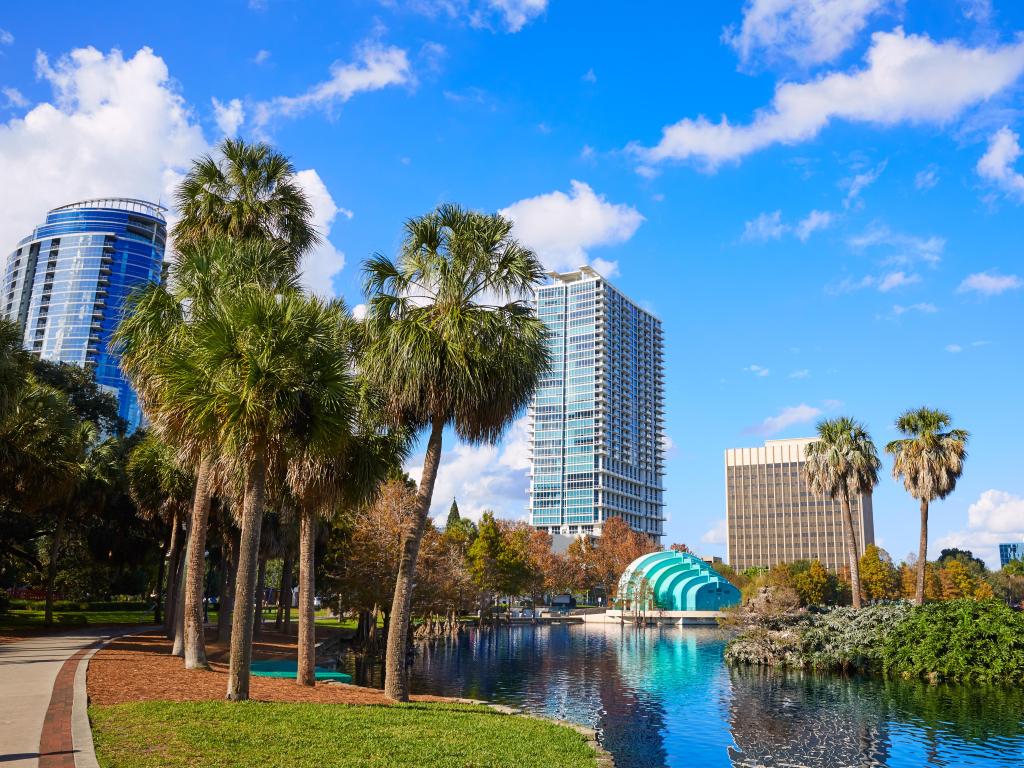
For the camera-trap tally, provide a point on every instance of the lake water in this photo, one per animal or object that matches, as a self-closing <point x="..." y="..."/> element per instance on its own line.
<point x="663" y="697"/>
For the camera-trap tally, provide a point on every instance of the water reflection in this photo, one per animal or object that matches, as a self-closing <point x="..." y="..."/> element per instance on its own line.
<point x="662" y="697"/>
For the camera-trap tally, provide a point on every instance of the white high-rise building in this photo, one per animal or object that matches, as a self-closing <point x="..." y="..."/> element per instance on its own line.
<point x="597" y="419"/>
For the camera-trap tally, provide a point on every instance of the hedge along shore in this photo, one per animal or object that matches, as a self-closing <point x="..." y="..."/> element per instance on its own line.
<point x="139" y="668"/>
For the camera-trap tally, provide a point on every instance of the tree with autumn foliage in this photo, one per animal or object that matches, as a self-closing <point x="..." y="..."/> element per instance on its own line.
<point x="618" y="546"/>
<point x="878" y="576"/>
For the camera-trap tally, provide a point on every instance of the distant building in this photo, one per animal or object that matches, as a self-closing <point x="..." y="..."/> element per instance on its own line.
<point x="772" y="516"/>
<point x="66" y="284"/>
<point x="597" y="419"/>
<point x="1008" y="552"/>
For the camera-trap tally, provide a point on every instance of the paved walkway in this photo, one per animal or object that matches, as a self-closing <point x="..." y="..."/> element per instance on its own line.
<point x="43" y="717"/>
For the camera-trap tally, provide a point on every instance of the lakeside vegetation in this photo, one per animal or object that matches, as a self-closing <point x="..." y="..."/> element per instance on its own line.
<point x="209" y="735"/>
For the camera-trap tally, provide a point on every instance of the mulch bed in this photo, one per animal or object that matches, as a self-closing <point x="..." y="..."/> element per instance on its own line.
<point x="140" y="668"/>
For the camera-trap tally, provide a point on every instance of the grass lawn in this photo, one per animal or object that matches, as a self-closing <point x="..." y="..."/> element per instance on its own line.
<point x="229" y="735"/>
<point x="18" y="618"/>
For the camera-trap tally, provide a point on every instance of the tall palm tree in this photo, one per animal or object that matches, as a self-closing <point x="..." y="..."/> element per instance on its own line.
<point x="930" y="459"/>
<point x="843" y="464"/>
<point x="450" y="341"/>
<point x="249" y="191"/>
<point x="344" y="473"/>
<point x="258" y="367"/>
<point x="14" y="366"/>
<point x="157" y="316"/>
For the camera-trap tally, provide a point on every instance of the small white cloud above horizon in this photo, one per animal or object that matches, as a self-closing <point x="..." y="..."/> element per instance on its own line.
<point x="995" y="517"/>
<point x="261" y="57"/>
<point x="996" y="165"/>
<point x="376" y="67"/>
<point x="989" y="283"/>
<point x="14" y="97"/>
<point x="757" y="370"/>
<point x="563" y="228"/>
<point x="787" y="417"/>
<point x="857" y="183"/>
<point x="922" y="307"/>
<point x="803" y="373"/>
<point x="589" y="76"/>
<point x="926" y="178"/>
<point x="717" y="534"/>
<point x="228" y="116"/>
<point x="6" y="38"/>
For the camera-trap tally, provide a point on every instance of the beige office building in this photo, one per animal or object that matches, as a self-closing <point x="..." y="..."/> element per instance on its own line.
<point x="772" y="516"/>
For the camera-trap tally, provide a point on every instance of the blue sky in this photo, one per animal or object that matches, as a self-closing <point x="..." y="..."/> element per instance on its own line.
<point x="822" y="201"/>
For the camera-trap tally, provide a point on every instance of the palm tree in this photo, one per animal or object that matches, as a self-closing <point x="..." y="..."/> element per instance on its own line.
<point x="161" y="491"/>
<point x="449" y="341"/>
<point x="930" y="459"/>
<point x="344" y="473"/>
<point x="842" y="464"/>
<point x="157" y="316"/>
<point x="14" y="366"/>
<point x="257" y="368"/>
<point x="250" y="191"/>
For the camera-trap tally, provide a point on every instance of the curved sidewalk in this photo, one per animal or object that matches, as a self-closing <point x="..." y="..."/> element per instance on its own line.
<point x="43" y="706"/>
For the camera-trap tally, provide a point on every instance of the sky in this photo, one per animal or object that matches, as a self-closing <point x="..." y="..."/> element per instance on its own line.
<point x="820" y="200"/>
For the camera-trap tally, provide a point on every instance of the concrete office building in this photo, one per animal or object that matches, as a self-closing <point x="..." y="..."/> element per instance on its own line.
<point x="772" y="516"/>
<point x="597" y="418"/>
<point x="65" y="285"/>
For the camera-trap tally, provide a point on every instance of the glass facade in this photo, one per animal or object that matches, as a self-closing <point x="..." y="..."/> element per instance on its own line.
<point x="597" y="417"/>
<point x="773" y="517"/>
<point x="1009" y="552"/>
<point x="66" y="284"/>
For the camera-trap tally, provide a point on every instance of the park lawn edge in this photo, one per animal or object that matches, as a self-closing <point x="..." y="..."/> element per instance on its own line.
<point x="270" y="734"/>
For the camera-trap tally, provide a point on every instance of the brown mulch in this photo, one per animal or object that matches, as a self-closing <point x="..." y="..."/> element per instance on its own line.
<point x="140" y="668"/>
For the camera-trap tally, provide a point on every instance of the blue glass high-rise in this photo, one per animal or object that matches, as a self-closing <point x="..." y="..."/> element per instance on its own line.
<point x="66" y="284"/>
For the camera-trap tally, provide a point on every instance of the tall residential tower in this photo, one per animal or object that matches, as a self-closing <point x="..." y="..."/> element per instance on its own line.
<point x="773" y="517"/>
<point x="66" y="284"/>
<point x="597" y="418"/>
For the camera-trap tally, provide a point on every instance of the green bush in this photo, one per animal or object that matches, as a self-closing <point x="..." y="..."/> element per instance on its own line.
<point x="5" y="602"/>
<point x="71" y="619"/>
<point x="851" y="641"/>
<point x="958" y="641"/>
<point x="76" y="605"/>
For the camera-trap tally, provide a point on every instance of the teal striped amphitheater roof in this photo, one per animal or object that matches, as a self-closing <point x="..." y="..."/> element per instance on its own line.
<point x="674" y="581"/>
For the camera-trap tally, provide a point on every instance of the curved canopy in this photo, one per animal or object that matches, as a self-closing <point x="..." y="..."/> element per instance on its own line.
<point x="674" y="581"/>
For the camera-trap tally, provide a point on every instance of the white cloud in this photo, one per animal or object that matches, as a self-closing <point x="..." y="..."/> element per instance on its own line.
<point x="376" y="67"/>
<point x="923" y="307"/>
<point x="261" y="57"/>
<point x="325" y="261"/>
<point x="808" y="32"/>
<point x="926" y="178"/>
<point x="906" y="79"/>
<point x="989" y="283"/>
<point x="785" y="418"/>
<point x="803" y="373"/>
<point x="757" y="370"/>
<point x="767" y="226"/>
<point x="861" y="181"/>
<point x="6" y="38"/>
<point x="811" y="223"/>
<point x="229" y="116"/>
<point x="14" y="98"/>
<point x="902" y="248"/>
<point x="895" y="280"/>
<point x="562" y="227"/>
<point x="589" y="76"/>
<point x="494" y="477"/>
<point x="954" y="348"/>
<point x="716" y="534"/>
<point x="996" y="517"/>
<point x="516" y="14"/>
<point x="116" y="126"/>
<point x="996" y="165"/>
<point x="359" y="311"/>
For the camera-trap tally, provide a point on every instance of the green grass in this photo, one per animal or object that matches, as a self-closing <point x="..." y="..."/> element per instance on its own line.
<point x="16" y="618"/>
<point x="219" y="734"/>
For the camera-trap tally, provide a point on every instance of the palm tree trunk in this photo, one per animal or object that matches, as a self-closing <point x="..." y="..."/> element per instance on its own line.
<point x="173" y="562"/>
<point x="159" y="589"/>
<point x="51" y="567"/>
<point x="261" y="584"/>
<point x="224" y="594"/>
<point x="195" y="578"/>
<point x="178" y="649"/>
<point x="922" y="553"/>
<point x="396" y="681"/>
<point x="851" y="551"/>
<point x="306" y="674"/>
<point x="245" y="581"/>
<point x="286" y="589"/>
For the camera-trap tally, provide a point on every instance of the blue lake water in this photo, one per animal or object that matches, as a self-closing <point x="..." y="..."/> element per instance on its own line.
<point x="663" y="697"/>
